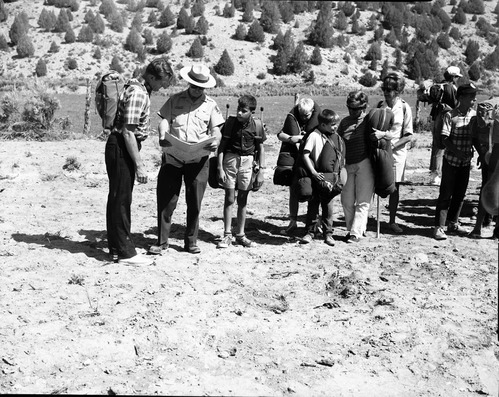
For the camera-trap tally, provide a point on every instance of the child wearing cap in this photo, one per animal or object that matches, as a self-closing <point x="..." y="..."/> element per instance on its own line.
<point x="357" y="193"/>
<point x="451" y="75"/>
<point x="457" y="134"/>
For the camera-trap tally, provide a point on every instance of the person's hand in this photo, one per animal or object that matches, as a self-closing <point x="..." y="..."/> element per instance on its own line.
<point x="257" y="184"/>
<point x="295" y="138"/>
<point x="318" y="176"/>
<point x="221" y="175"/>
<point x="377" y="134"/>
<point x="141" y="175"/>
<point x="211" y="147"/>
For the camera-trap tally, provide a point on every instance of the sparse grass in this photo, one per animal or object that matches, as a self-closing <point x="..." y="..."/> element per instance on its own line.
<point x="77" y="279"/>
<point x="71" y="164"/>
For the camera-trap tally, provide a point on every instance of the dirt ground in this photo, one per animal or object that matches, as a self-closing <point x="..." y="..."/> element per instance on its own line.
<point x="398" y="315"/>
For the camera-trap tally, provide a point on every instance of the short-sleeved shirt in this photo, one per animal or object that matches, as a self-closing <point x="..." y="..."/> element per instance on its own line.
<point x="354" y="133"/>
<point x="134" y="108"/>
<point x="242" y="139"/>
<point x="315" y="143"/>
<point x="457" y="127"/>
<point x="190" y="119"/>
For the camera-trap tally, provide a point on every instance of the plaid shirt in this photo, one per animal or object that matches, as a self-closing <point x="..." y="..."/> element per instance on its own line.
<point x="457" y="127"/>
<point x="134" y="108"/>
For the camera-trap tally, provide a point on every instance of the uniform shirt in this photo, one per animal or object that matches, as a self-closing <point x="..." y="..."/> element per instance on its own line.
<point x="190" y="119"/>
<point x="354" y="133"/>
<point x="134" y="108"/>
<point x="243" y="139"/>
<point x="457" y="127"/>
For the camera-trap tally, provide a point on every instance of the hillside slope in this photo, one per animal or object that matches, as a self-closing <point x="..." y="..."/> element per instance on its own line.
<point x="250" y="59"/>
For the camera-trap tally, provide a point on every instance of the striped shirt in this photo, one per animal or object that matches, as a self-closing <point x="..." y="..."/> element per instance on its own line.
<point x="354" y="133"/>
<point x="457" y="127"/>
<point x="134" y="108"/>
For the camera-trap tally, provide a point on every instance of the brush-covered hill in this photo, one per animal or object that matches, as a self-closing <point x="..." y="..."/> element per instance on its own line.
<point x="355" y="40"/>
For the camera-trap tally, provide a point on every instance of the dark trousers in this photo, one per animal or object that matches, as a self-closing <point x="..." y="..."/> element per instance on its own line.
<point x="121" y="174"/>
<point x="195" y="177"/>
<point x="313" y="210"/>
<point x="452" y="192"/>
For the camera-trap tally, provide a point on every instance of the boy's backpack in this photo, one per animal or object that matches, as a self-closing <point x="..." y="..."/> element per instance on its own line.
<point x="107" y="93"/>
<point x="430" y="92"/>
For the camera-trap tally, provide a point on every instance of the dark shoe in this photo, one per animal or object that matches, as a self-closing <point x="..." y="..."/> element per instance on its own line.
<point x="157" y="249"/>
<point x="456" y="228"/>
<point x="193" y="249"/>
<point x="244" y="241"/>
<point x="290" y="229"/>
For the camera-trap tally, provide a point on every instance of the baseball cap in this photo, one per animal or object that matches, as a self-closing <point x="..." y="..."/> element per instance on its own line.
<point x="454" y="71"/>
<point x="466" y="89"/>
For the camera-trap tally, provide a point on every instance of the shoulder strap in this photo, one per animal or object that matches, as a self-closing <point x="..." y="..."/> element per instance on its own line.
<point x="339" y="152"/>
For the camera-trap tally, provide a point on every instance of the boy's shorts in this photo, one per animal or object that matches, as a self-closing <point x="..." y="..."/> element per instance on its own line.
<point x="238" y="170"/>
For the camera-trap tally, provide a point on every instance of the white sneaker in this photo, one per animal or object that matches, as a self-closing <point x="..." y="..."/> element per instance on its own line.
<point x="137" y="260"/>
<point x="436" y="181"/>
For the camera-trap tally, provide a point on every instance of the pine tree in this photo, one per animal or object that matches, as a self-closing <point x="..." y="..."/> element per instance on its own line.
<point x="166" y="18"/>
<point x="19" y="28"/>
<point x="41" y="68"/>
<point x="321" y="32"/>
<point x="25" y="47"/>
<point x="341" y="22"/>
<point x="117" y="22"/>
<point x="133" y="42"/>
<point x="288" y="43"/>
<point x="299" y="60"/>
<point x="62" y="24"/>
<point x="97" y="24"/>
<point x="459" y="17"/>
<point x="3" y="12"/>
<point x="255" y="33"/>
<point x="316" y="58"/>
<point x="248" y="12"/>
<point x="474" y="72"/>
<point x="241" y="32"/>
<point x="197" y="8"/>
<point x="152" y="18"/>
<point x="472" y="52"/>
<point x="196" y="49"/>
<point x="69" y="36"/>
<point x="229" y="11"/>
<point x="270" y="17"/>
<point x="182" y="18"/>
<point x="164" y="43"/>
<point x="225" y="67"/>
<point x="280" y="63"/>
<point x="286" y="11"/>
<point x="89" y="16"/>
<point x="374" y="52"/>
<point x="86" y="34"/>
<point x="201" y="25"/>
<point x="137" y="22"/>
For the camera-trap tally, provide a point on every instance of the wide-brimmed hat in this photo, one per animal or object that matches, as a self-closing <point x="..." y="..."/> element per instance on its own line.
<point x="198" y="75"/>
<point x="454" y="71"/>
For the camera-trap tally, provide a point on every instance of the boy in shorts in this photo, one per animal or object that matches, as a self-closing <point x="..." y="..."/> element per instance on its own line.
<point x="240" y="157"/>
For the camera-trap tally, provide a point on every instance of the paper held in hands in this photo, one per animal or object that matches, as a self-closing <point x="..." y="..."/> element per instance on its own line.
<point x="186" y="151"/>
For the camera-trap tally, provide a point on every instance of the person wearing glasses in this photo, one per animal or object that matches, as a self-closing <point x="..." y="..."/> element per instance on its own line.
<point x="358" y="192"/>
<point x="192" y="117"/>
<point x="124" y="164"/>
<point x="399" y="134"/>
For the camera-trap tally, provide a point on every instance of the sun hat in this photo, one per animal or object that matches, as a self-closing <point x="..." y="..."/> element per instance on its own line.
<point x="454" y="71"/>
<point x="198" y="75"/>
<point x="466" y="89"/>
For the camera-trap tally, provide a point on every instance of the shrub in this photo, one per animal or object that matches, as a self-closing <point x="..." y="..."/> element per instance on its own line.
<point x="455" y="33"/>
<point x="261" y="76"/>
<point x="491" y="61"/>
<point x="41" y="68"/>
<point x="368" y="79"/>
<point x="270" y="17"/>
<point x="189" y="25"/>
<point x="459" y="17"/>
<point x="166" y="18"/>
<point x="280" y="63"/>
<point x="97" y="54"/>
<point x="72" y="64"/>
<point x="117" y="22"/>
<point x="225" y="67"/>
<point x="62" y="24"/>
<point x="46" y="20"/>
<point x="152" y="18"/>
<point x="229" y="11"/>
<point x="19" y="28"/>
<point x="444" y="41"/>
<point x="69" y="36"/>
<point x="133" y="42"/>
<point x="54" y="47"/>
<point x="248" y="12"/>
<point x="86" y="34"/>
<point x="286" y="11"/>
<point x="39" y="109"/>
<point x="137" y="22"/>
<point x="374" y="52"/>
<point x="116" y="64"/>
<point x="73" y="164"/>
<point x="255" y="33"/>
<point x="164" y="43"/>
<point x="299" y="60"/>
<point x="472" y="52"/>
<point x="341" y="22"/>
<point x="97" y="24"/>
<point x="474" y="72"/>
<point x="321" y="31"/>
<point x="202" y="25"/>
<point x="316" y="58"/>
<point x="197" y="8"/>
<point x="148" y="36"/>
<point x="241" y="32"/>
<point x="3" y="12"/>
<point x="196" y="49"/>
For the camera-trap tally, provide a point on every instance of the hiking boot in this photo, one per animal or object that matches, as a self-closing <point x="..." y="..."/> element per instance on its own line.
<point x="244" y="241"/>
<point x="456" y="228"/>
<point x="396" y="228"/>
<point x="352" y="239"/>
<point x="157" y="249"/>
<point x="307" y="238"/>
<point x="439" y="234"/>
<point x="329" y="240"/>
<point x="225" y="242"/>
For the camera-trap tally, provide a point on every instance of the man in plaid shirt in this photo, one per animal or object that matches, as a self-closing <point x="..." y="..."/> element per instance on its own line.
<point x="457" y="138"/>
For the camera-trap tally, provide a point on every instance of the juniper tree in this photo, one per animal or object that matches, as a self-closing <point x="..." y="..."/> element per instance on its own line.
<point x="196" y="49"/>
<point x="88" y="16"/>
<point x="270" y="17"/>
<point x="280" y="63"/>
<point x="472" y="52"/>
<point x="25" y="47"/>
<point x="152" y="18"/>
<point x="255" y="33"/>
<point x="225" y="67"/>
<point x="4" y="46"/>
<point x="54" y="47"/>
<point x="41" y="68"/>
<point x="248" y="12"/>
<point x="133" y="42"/>
<point x="86" y="34"/>
<point x="3" y="12"/>
<point x="19" y="28"/>
<point x="182" y="18"/>
<point x="164" y="43"/>
<point x="166" y="18"/>
<point x="341" y="22"/>
<point x="97" y="24"/>
<point x="62" y="24"/>
<point x="459" y="17"/>
<point x="286" y="11"/>
<point x="299" y="60"/>
<point x="316" y="58"/>
<point x="202" y="25"/>
<point x="241" y="32"/>
<point x="116" y="64"/>
<point x="229" y="11"/>
<point x="97" y="53"/>
<point x="189" y="25"/>
<point x="137" y="21"/>
<point x="69" y="36"/>
<point x="148" y="36"/>
<point x="197" y="8"/>
<point x="321" y="32"/>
